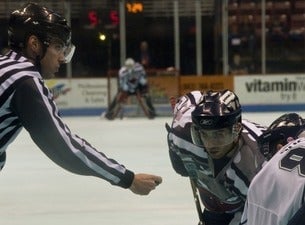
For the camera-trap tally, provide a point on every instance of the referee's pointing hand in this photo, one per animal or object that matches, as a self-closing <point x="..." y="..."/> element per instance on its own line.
<point x="143" y="184"/>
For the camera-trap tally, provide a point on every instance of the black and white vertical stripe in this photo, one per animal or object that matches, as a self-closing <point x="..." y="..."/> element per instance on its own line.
<point x="26" y="102"/>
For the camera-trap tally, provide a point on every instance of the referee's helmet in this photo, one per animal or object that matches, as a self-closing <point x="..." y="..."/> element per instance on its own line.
<point x="33" y="19"/>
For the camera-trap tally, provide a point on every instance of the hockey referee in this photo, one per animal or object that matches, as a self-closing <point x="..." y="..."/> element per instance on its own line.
<point x="39" y="42"/>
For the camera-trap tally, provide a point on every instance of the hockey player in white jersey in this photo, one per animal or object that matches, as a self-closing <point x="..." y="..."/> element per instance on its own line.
<point x="276" y="195"/>
<point x="210" y="143"/>
<point x="132" y="81"/>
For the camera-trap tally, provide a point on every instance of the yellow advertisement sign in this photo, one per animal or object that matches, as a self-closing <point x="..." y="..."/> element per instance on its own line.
<point x="163" y="87"/>
<point x="205" y="83"/>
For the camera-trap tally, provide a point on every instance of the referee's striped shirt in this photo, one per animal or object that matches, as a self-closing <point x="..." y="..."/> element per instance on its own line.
<point x="25" y="101"/>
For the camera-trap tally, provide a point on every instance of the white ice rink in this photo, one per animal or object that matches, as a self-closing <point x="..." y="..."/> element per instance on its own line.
<point x="34" y="191"/>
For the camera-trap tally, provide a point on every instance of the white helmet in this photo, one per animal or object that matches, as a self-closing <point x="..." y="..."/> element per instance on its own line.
<point x="129" y="63"/>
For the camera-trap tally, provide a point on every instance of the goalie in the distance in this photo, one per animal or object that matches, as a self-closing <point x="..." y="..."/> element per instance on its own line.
<point x="132" y="80"/>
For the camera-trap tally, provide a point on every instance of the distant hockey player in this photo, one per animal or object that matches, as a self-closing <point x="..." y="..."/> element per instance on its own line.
<point x="276" y="195"/>
<point x="210" y="143"/>
<point x="132" y="81"/>
<point x="40" y="42"/>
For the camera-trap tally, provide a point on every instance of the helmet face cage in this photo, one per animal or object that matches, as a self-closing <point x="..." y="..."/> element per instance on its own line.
<point x="217" y="110"/>
<point x="196" y="136"/>
<point x="287" y="125"/>
<point x="218" y="137"/>
<point x="44" y="23"/>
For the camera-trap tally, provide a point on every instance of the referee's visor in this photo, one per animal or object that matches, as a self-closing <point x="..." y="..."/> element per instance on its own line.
<point x="69" y="52"/>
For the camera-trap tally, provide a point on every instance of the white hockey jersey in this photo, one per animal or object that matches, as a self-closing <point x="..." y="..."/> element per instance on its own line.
<point x="278" y="190"/>
<point x="130" y="79"/>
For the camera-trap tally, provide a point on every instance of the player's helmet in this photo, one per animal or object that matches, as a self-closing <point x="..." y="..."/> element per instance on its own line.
<point x="287" y="125"/>
<point x="216" y="110"/>
<point x="129" y="63"/>
<point x="33" y="19"/>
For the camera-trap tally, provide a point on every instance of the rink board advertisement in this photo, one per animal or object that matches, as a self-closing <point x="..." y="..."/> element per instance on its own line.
<point x="256" y="92"/>
<point x="79" y="94"/>
<point x="272" y="92"/>
<point x="91" y="96"/>
<point x="162" y="88"/>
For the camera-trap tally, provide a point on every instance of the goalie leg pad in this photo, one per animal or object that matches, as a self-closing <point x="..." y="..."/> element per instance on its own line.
<point x="115" y="106"/>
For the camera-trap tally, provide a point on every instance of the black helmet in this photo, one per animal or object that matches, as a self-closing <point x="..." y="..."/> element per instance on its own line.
<point x="217" y="110"/>
<point x="287" y="125"/>
<point x="32" y="19"/>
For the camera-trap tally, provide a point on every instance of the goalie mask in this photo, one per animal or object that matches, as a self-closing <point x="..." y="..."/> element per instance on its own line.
<point x="129" y="63"/>
<point x="48" y="26"/>
<point x="287" y="125"/>
<point x="217" y="121"/>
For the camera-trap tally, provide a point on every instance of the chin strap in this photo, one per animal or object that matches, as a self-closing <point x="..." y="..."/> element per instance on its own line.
<point x="37" y="63"/>
<point x="234" y="149"/>
<point x="237" y="141"/>
<point x="38" y="58"/>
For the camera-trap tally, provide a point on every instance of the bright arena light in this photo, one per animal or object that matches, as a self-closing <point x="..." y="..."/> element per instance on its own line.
<point x="102" y="37"/>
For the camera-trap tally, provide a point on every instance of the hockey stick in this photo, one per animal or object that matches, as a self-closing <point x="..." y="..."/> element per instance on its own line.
<point x="197" y="201"/>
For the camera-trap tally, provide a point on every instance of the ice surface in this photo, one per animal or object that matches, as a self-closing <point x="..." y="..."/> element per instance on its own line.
<point x="35" y="191"/>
